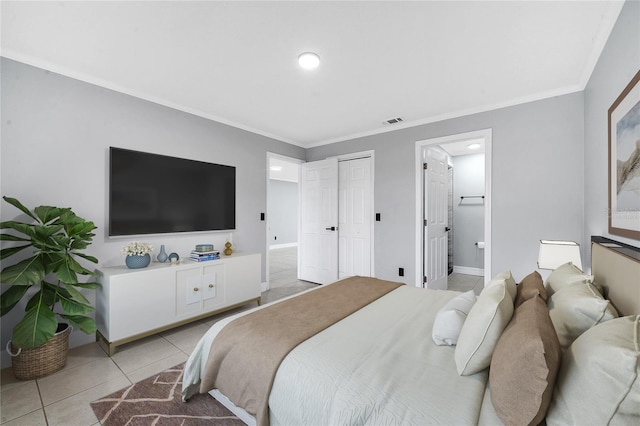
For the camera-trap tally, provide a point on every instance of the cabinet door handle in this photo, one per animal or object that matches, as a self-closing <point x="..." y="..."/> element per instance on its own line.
<point x="196" y="289"/>
<point x="211" y="285"/>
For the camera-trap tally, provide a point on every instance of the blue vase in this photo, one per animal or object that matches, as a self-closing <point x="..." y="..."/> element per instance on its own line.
<point x="162" y="256"/>
<point x="136" y="261"/>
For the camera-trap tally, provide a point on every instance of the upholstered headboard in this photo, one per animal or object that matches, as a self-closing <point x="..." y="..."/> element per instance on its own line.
<point x="616" y="267"/>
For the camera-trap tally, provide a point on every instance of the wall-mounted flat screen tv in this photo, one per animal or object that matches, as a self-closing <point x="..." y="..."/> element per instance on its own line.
<point x="157" y="194"/>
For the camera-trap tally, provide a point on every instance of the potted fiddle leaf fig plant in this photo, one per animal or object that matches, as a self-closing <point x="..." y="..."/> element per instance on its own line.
<point x="48" y="248"/>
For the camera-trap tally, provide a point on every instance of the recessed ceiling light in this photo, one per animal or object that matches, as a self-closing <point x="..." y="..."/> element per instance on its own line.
<point x="474" y="145"/>
<point x="308" y="60"/>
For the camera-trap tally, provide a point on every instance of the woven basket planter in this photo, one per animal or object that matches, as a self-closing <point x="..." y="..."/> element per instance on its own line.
<point x="29" y="364"/>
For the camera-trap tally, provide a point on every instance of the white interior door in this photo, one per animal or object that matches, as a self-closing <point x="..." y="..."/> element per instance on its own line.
<point x="318" y="237"/>
<point x="355" y="214"/>
<point x="436" y="218"/>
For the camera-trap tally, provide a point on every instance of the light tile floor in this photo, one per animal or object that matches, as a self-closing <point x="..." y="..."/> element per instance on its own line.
<point x="462" y="282"/>
<point x="63" y="398"/>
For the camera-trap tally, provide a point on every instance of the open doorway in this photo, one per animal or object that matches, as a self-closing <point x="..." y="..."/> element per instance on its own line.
<point x="282" y="222"/>
<point x="458" y="255"/>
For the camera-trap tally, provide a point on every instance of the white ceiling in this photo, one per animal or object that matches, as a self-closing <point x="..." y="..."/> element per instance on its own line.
<point x="235" y="61"/>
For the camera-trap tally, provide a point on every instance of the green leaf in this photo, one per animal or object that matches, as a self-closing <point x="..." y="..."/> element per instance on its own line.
<point x="65" y="271"/>
<point x="23" y="228"/>
<point x="47" y="214"/>
<point x="53" y="261"/>
<point x="82" y="228"/>
<point x="36" y="328"/>
<point x="77" y="244"/>
<point x="75" y="294"/>
<point x="11" y="297"/>
<point x="86" y="324"/>
<point x="45" y="231"/>
<point x="9" y="237"/>
<point x="87" y="257"/>
<point x="27" y="272"/>
<point x="14" y="202"/>
<point x="77" y="268"/>
<point x="91" y="285"/>
<point x="73" y="307"/>
<point x="58" y="242"/>
<point x="46" y="295"/>
<point x="10" y="251"/>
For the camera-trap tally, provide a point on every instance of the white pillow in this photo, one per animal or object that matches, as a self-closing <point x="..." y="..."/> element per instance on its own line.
<point x="449" y="319"/>
<point x="506" y="278"/>
<point x="482" y="329"/>
<point x="599" y="379"/>
<point x="577" y="308"/>
<point x="566" y="275"/>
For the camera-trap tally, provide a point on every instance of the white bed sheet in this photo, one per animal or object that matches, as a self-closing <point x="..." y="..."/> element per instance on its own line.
<point x="377" y="366"/>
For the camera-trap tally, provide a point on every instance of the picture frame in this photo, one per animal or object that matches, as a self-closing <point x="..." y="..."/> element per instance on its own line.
<point x="624" y="162"/>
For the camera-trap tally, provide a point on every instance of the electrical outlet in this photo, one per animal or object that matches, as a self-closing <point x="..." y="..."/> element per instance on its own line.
<point x="401" y="272"/>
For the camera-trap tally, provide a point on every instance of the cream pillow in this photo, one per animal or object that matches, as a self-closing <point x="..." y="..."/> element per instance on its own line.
<point x="599" y="378"/>
<point x="577" y="308"/>
<point x="482" y="329"/>
<point x="506" y="278"/>
<point x="566" y="275"/>
<point x="449" y="319"/>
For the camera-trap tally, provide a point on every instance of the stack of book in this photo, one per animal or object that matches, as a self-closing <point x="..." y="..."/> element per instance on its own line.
<point x="204" y="247"/>
<point x="202" y="256"/>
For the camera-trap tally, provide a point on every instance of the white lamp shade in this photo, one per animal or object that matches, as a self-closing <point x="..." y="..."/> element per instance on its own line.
<point x="555" y="253"/>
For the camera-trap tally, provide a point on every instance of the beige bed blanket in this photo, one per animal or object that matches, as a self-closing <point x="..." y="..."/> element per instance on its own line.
<point x="246" y="354"/>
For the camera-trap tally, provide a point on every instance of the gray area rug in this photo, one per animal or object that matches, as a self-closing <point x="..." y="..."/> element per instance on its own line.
<point x="157" y="401"/>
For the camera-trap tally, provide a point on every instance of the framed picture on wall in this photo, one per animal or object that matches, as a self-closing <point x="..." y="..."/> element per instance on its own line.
<point x="624" y="162"/>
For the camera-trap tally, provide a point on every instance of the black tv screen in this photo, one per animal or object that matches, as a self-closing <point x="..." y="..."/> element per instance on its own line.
<point x="157" y="194"/>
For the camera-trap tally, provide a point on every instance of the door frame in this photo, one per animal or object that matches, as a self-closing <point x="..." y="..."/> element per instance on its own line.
<point x="485" y="134"/>
<point x="266" y="285"/>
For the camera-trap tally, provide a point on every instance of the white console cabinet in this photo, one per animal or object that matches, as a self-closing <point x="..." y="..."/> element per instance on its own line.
<point x="135" y="303"/>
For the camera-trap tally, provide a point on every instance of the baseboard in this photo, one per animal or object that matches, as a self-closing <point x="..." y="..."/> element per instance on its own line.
<point x="468" y="271"/>
<point x="285" y="245"/>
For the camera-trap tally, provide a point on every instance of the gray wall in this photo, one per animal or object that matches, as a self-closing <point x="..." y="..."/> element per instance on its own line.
<point x="468" y="215"/>
<point x="55" y="137"/>
<point x="537" y="182"/>
<point x="283" y="212"/>
<point x="617" y="65"/>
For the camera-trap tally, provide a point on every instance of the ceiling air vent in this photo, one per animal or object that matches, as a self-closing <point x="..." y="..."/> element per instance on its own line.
<point x="393" y="121"/>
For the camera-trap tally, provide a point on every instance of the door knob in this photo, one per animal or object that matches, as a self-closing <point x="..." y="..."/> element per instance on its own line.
<point x="333" y="228"/>
<point x="446" y="229"/>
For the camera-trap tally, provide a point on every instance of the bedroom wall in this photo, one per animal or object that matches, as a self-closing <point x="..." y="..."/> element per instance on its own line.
<point x="537" y="182"/>
<point x="283" y="212"/>
<point x="618" y="63"/>
<point x="55" y="137"/>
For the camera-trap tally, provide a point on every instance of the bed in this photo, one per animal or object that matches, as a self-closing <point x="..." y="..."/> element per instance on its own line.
<point x="516" y="354"/>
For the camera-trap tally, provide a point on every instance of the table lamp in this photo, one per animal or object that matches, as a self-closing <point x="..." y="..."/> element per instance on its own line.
<point x="555" y="253"/>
